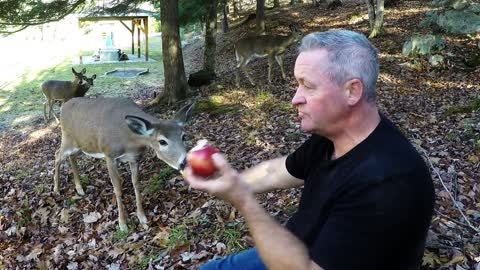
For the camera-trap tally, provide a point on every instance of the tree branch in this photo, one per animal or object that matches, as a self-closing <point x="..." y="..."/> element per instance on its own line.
<point x="477" y="230"/>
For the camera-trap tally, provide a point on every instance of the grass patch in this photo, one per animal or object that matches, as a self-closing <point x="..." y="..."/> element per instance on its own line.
<point x="474" y="105"/>
<point x="266" y="102"/>
<point x="145" y="261"/>
<point x="119" y="235"/>
<point x="233" y="240"/>
<point x="215" y="105"/>
<point x="178" y="236"/>
<point x="157" y="182"/>
<point x="25" y="215"/>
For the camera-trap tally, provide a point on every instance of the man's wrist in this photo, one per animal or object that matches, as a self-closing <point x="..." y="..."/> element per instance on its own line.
<point x="245" y="202"/>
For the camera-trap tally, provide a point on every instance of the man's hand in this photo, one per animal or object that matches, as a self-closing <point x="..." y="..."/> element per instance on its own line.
<point x="228" y="186"/>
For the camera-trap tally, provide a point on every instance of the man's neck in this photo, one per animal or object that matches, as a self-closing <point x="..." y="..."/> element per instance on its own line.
<point x="358" y="126"/>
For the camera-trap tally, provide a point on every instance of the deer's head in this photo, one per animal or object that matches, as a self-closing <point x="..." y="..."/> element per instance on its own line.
<point x="165" y="137"/>
<point x="296" y="34"/>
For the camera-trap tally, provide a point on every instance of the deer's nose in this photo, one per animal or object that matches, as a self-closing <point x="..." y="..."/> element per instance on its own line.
<point x="183" y="164"/>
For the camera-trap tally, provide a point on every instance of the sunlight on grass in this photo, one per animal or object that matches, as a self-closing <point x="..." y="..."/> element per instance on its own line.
<point x="21" y="98"/>
<point x="39" y="133"/>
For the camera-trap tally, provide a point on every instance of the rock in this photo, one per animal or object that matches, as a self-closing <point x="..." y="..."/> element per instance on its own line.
<point x="423" y="45"/>
<point x="453" y="21"/>
<point x="437" y="61"/>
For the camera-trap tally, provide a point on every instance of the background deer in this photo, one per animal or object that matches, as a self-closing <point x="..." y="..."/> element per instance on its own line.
<point x="271" y="46"/>
<point x="62" y="91"/>
<point x="117" y="130"/>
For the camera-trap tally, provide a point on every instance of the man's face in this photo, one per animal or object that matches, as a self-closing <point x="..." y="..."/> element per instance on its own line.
<point x="321" y="103"/>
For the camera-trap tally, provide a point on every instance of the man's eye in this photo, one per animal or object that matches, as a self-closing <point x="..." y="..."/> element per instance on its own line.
<point x="163" y="142"/>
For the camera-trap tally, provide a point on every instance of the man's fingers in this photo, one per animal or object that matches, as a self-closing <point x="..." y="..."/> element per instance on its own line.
<point x="221" y="163"/>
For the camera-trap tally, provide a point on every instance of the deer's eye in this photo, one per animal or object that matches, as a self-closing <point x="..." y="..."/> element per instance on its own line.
<point x="163" y="142"/>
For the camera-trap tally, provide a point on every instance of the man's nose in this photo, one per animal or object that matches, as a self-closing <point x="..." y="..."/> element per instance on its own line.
<point x="298" y="99"/>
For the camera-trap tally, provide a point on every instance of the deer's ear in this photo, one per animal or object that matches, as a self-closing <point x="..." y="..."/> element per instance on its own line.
<point x="84" y="70"/>
<point x="184" y="114"/>
<point x="94" y="76"/>
<point x="139" y="125"/>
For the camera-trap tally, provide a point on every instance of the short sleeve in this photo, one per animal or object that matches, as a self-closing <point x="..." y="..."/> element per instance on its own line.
<point x="300" y="162"/>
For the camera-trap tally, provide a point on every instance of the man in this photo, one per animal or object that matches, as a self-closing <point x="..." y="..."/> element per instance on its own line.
<point x="368" y="196"/>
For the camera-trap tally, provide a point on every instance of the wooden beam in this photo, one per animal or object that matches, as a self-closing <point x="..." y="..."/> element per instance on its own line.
<point x="126" y="26"/>
<point x="138" y="39"/>
<point x="146" y="37"/>
<point x="133" y="38"/>
<point x="139" y="24"/>
<point x="110" y="18"/>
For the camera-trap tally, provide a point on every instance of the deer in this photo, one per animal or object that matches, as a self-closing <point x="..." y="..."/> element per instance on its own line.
<point x="270" y="46"/>
<point x="118" y="130"/>
<point x="62" y="91"/>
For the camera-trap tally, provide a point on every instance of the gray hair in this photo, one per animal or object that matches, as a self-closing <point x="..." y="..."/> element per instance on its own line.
<point x="350" y="55"/>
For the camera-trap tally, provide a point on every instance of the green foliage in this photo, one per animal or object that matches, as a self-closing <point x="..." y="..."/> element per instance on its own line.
<point x="233" y="240"/>
<point x="144" y="261"/>
<point x="17" y="15"/>
<point x="215" y="106"/>
<point x="178" y="236"/>
<point x="157" y="182"/>
<point x="25" y="215"/>
<point x="119" y="235"/>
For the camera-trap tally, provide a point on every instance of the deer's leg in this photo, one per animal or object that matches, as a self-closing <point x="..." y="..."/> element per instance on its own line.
<point x="76" y="177"/>
<point x="237" y="71"/>
<point x="60" y="157"/>
<point x="279" y="59"/>
<point x="270" y="64"/>
<point x="117" y="188"/>
<point x="45" y="111"/>
<point x="54" y="114"/>
<point x="138" y="197"/>
<point x="243" y="66"/>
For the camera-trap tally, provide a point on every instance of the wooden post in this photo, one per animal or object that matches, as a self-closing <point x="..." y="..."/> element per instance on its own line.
<point x="146" y="38"/>
<point x="133" y="37"/>
<point x="138" y="38"/>
<point x="80" y="53"/>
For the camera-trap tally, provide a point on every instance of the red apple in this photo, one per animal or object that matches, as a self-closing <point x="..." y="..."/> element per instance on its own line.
<point x="200" y="160"/>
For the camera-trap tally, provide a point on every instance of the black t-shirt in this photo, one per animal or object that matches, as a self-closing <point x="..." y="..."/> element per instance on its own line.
<point x="369" y="209"/>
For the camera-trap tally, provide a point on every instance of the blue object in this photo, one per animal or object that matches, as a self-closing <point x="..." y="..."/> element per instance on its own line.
<point x="245" y="260"/>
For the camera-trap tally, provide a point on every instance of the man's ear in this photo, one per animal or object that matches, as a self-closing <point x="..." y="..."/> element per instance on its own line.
<point x="354" y="91"/>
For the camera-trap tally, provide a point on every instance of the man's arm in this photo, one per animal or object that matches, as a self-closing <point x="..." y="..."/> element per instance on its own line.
<point x="278" y="248"/>
<point x="270" y="175"/>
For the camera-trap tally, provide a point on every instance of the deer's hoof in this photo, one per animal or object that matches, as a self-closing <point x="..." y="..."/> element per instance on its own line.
<point x="123" y="227"/>
<point x="80" y="192"/>
<point x="142" y="219"/>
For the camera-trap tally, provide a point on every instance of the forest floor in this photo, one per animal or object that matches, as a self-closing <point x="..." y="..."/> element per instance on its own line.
<point x="39" y="229"/>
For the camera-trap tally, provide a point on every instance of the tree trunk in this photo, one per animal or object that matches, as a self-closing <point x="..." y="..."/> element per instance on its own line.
<point x="225" y="17"/>
<point x="175" y="83"/>
<point x="371" y="12"/>
<point x="260" y="16"/>
<point x="377" y="28"/>
<point x="210" y="37"/>
<point x="276" y="3"/>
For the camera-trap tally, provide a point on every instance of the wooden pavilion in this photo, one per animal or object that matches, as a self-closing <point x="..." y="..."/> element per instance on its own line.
<point x="137" y="21"/>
